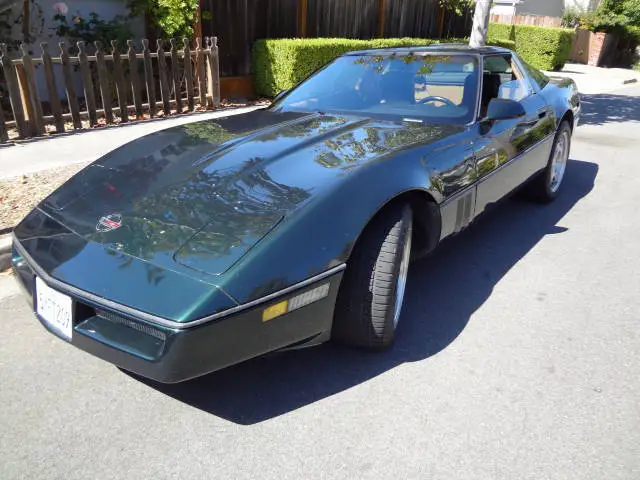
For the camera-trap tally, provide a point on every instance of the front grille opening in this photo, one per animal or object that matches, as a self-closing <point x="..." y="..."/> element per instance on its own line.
<point x="140" y="327"/>
<point x="82" y="312"/>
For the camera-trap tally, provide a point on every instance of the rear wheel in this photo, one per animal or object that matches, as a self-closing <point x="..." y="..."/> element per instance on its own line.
<point x="372" y="291"/>
<point x="546" y="187"/>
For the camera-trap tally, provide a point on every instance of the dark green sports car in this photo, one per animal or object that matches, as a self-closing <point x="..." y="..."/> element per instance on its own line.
<point x="203" y="245"/>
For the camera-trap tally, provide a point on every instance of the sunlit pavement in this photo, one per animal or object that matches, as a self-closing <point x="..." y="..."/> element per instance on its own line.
<point x="518" y="357"/>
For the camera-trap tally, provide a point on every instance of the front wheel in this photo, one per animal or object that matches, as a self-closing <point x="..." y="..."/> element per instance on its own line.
<point x="546" y="187"/>
<point x="372" y="291"/>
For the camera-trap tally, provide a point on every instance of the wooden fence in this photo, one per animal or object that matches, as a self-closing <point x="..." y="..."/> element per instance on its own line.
<point x="128" y="84"/>
<point x="527" y="19"/>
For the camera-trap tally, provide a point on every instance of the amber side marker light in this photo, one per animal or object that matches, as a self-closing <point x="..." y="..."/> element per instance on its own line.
<point x="295" y="303"/>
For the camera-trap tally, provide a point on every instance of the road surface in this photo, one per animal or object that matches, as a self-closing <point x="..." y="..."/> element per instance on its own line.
<point x="518" y="357"/>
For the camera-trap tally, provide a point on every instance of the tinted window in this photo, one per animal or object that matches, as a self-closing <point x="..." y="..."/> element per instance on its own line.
<point x="438" y="88"/>
<point x="536" y="75"/>
<point x="503" y="79"/>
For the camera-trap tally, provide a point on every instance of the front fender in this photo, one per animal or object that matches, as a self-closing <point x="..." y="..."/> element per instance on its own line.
<point x="322" y="234"/>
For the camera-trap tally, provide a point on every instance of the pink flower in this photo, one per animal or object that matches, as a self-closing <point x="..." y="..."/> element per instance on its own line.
<point x="60" y="8"/>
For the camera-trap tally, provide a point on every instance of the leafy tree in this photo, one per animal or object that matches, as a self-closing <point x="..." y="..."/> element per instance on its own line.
<point x="93" y="29"/>
<point x="614" y="16"/>
<point x="459" y="7"/>
<point x="175" y="18"/>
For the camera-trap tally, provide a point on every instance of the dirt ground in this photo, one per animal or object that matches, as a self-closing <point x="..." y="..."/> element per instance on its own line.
<point x="19" y="195"/>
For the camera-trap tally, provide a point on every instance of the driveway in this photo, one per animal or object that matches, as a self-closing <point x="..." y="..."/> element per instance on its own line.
<point x="518" y="357"/>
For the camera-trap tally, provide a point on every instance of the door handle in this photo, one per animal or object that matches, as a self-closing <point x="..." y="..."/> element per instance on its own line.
<point x="542" y="114"/>
<point x="530" y="123"/>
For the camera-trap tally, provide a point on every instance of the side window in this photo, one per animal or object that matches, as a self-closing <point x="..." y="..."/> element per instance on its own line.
<point x="503" y="79"/>
<point x="536" y="75"/>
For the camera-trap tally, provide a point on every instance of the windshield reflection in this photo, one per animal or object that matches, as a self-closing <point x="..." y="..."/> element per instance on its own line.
<point x="434" y="88"/>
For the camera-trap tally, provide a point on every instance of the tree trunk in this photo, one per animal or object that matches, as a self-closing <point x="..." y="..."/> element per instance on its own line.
<point x="480" y="23"/>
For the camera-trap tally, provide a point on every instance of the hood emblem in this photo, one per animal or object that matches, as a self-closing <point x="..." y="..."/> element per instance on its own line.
<point x="109" y="222"/>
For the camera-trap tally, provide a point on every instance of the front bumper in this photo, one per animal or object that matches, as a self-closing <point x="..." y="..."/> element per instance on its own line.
<point x="170" y="355"/>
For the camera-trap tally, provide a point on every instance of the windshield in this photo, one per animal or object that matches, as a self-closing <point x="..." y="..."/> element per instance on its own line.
<point x="431" y="88"/>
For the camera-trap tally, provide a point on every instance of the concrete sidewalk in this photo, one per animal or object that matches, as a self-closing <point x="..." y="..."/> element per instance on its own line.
<point x="88" y="145"/>
<point x="594" y="80"/>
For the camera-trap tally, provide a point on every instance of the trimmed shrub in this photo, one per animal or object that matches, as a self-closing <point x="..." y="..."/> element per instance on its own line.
<point x="543" y="47"/>
<point x="279" y="64"/>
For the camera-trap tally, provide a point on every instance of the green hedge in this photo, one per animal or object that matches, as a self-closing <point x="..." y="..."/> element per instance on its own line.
<point x="544" y="48"/>
<point x="279" y="64"/>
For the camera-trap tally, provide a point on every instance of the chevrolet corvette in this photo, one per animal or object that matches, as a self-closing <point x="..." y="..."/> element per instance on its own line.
<point x="203" y="245"/>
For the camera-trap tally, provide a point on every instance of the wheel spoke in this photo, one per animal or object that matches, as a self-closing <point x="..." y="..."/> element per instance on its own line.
<point x="401" y="282"/>
<point x="559" y="161"/>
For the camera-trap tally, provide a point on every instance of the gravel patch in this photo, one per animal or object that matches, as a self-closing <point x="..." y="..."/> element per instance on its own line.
<point x="19" y="195"/>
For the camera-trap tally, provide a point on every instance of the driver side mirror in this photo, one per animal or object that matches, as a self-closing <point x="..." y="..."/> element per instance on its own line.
<point x="504" y="109"/>
<point x="280" y="94"/>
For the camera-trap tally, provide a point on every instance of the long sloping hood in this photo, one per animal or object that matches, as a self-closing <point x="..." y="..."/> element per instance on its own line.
<point x="200" y="195"/>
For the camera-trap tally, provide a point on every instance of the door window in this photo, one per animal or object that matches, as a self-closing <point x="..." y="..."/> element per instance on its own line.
<point x="501" y="78"/>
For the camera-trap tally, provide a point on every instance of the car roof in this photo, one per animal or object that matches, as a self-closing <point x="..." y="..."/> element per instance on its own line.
<point x="439" y="48"/>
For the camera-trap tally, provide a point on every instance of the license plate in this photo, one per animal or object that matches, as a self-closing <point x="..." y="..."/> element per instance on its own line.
<point x="54" y="308"/>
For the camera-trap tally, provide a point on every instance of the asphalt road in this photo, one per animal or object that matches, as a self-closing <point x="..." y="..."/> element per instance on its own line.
<point x="518" y="358"/>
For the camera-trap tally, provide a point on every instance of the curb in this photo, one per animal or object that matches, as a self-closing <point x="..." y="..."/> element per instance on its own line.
<point x="5" y="252"/>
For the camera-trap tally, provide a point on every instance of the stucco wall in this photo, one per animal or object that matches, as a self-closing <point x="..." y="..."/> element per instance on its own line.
<point x="106" y="9"/>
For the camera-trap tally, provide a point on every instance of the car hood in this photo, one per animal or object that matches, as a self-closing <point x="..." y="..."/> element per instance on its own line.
<point x="201" y="195"/>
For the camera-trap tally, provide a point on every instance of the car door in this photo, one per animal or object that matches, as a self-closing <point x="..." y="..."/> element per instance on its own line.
<point x="508" y="152"/>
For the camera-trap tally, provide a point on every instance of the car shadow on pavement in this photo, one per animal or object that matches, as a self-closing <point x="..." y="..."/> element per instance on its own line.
<point x="598" y="109"/>
<point x="444" y="291"/>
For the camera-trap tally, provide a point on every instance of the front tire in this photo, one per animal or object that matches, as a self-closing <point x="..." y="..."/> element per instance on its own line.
<point x="546" y="187"/>
<point x="372" y="291"/>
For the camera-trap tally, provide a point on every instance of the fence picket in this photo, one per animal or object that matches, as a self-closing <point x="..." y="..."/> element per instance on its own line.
<point x="164" y="79"/>
<point x="87" y="81"/>
<point x="13" y="87"/>
<point x="4" y="135"/>
<point x="175" y="70"/>
<point x="188" y="74"/>
<point x="202" y="85"/>
<point x="32" y="91"/>
<point x="72" y="99"/>
<point x="118" y="78"/>
<point x="103" y="79"/>
<point x="134" y="78"/>
<point x="54" y="100"/>
<point x="148" y="77"/>
<point x="214" y="72"/>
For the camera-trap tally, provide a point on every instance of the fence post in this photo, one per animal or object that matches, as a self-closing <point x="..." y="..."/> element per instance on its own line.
<point x="135" y="78"/>
<point x="30" y="91"/>
<point x="103" y="80"/>
<point x="4" y="136"/>
<point x="14" y="90"/>
<point x="200" y="73"/>
<point x="176" y="75"/>
<point x="148" y="77"/>
<point x="89" y="95"/>
<point x="119" y="81"/>
<point x="188" y="74"/>
<point x="54" y="100"/>
<point x="72" y="99"/>
<point x="213" y="72"/>
<point x="164" y="79"/>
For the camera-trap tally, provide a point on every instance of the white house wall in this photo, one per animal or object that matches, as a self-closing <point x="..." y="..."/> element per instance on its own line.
<point x="106" y="9"/>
